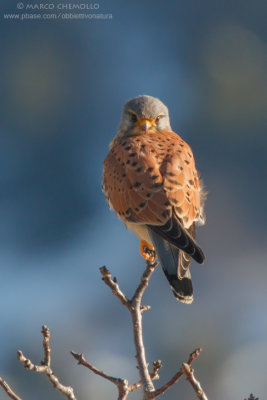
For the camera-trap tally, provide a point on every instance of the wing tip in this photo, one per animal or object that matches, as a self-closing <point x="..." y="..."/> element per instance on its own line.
<point x="199" y="257"/>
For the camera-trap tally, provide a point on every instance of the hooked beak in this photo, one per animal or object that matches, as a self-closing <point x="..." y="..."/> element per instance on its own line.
<point x="145" y="124"/>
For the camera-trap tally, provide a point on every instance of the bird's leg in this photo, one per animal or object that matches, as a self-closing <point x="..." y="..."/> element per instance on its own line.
<point x="147" y="251"/>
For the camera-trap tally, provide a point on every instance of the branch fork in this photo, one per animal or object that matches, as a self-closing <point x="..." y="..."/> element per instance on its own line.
<point x="146" y="378"/>
<point x="145" y="383"/>
<point x="45" y="366"/>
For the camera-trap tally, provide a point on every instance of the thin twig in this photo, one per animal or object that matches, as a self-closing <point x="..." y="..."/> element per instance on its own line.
<point x="8" y="390"/>
<point x="46" y="345"/>
<point x="122" y="384"/>
<point x="45" y="368"/>
<point x="153" y="375"/>
<point x="113" y="284"/>
<point x="195" y="384"/>
<point x="177" y="376"/>
<point x="136" y="310"/>
<point x="136" y="315"/>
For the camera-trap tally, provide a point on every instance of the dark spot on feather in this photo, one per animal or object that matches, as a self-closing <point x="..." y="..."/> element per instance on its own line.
<point x="142" y="205"/>
<point x="136" y="209"/>
<point x="185" y="219"/>
<point x="148" y="195"/>
<point x="156" y="185"/>
<point x="186" y="161"/>
<point x="168" y="188"/>
<point x="179" y="210"/>
<point x="174" y="182"/>
<point x="167" y="203"/>
<point x="123" y="175"/>
<point x="134" y="163"/>
<point x="138" y="169"/>
<point x="128" y="162"/>
<point x="170" y="174"/>
<point x="131" y="218"/>
<point x="137" y="184"/>
<point x="166" y="214"/>
<point x="128" y="147"/>
<point x="124" y="143"/>
<point x="191" y="182"/>
<point x="154" y="177"/>
<point x="150" y="169"/>
<point x="132" y="155"/>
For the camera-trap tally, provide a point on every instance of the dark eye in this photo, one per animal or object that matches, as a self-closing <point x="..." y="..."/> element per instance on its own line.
<point x="158" y="118"/>
<point x="133" y="117"/>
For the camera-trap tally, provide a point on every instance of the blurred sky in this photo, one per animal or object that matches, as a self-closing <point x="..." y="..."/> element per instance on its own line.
<point x="63" y="83"/>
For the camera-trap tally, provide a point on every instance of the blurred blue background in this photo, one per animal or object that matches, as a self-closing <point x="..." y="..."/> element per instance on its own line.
<point x="63" y="84"/>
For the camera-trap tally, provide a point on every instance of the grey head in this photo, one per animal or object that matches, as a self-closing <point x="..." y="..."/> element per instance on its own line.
<point x="143" y="114"/>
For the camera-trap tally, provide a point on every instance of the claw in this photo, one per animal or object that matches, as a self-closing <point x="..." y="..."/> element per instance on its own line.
<point x="147" y="251"/>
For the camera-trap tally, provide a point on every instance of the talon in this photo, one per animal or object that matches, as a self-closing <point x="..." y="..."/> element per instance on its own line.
<point x="147" y="251"/>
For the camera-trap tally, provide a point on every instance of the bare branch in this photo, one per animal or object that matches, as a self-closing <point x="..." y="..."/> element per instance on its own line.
<point x="46" y="345"/>
<point x="150" y="267"/>
<point x="195" y="384"/>
<point x="112" y="283"/>
<point x="136" y="315"/>
<point x="136" y="310"/>
<point x="177" y="376"/>
<point x="45" y="368"/>
<point x="122" y="384"/>
<point x="153" y="375"/>
<point x="8" y="390"/>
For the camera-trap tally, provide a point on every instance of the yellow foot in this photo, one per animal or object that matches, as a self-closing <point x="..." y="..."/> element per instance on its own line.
<point x="147" y="251"/>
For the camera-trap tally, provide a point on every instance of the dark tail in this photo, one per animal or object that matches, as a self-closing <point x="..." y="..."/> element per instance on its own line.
<point x="168" y="257"/>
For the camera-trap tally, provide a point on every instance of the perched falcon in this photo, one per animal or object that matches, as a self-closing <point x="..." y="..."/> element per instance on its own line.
<point x="151" y="182"/>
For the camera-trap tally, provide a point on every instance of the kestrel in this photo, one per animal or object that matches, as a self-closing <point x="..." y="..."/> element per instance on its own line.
<point x="151" y="182"/>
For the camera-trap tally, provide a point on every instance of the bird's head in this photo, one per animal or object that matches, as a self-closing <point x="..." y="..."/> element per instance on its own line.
<point x="143" y="115"/>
